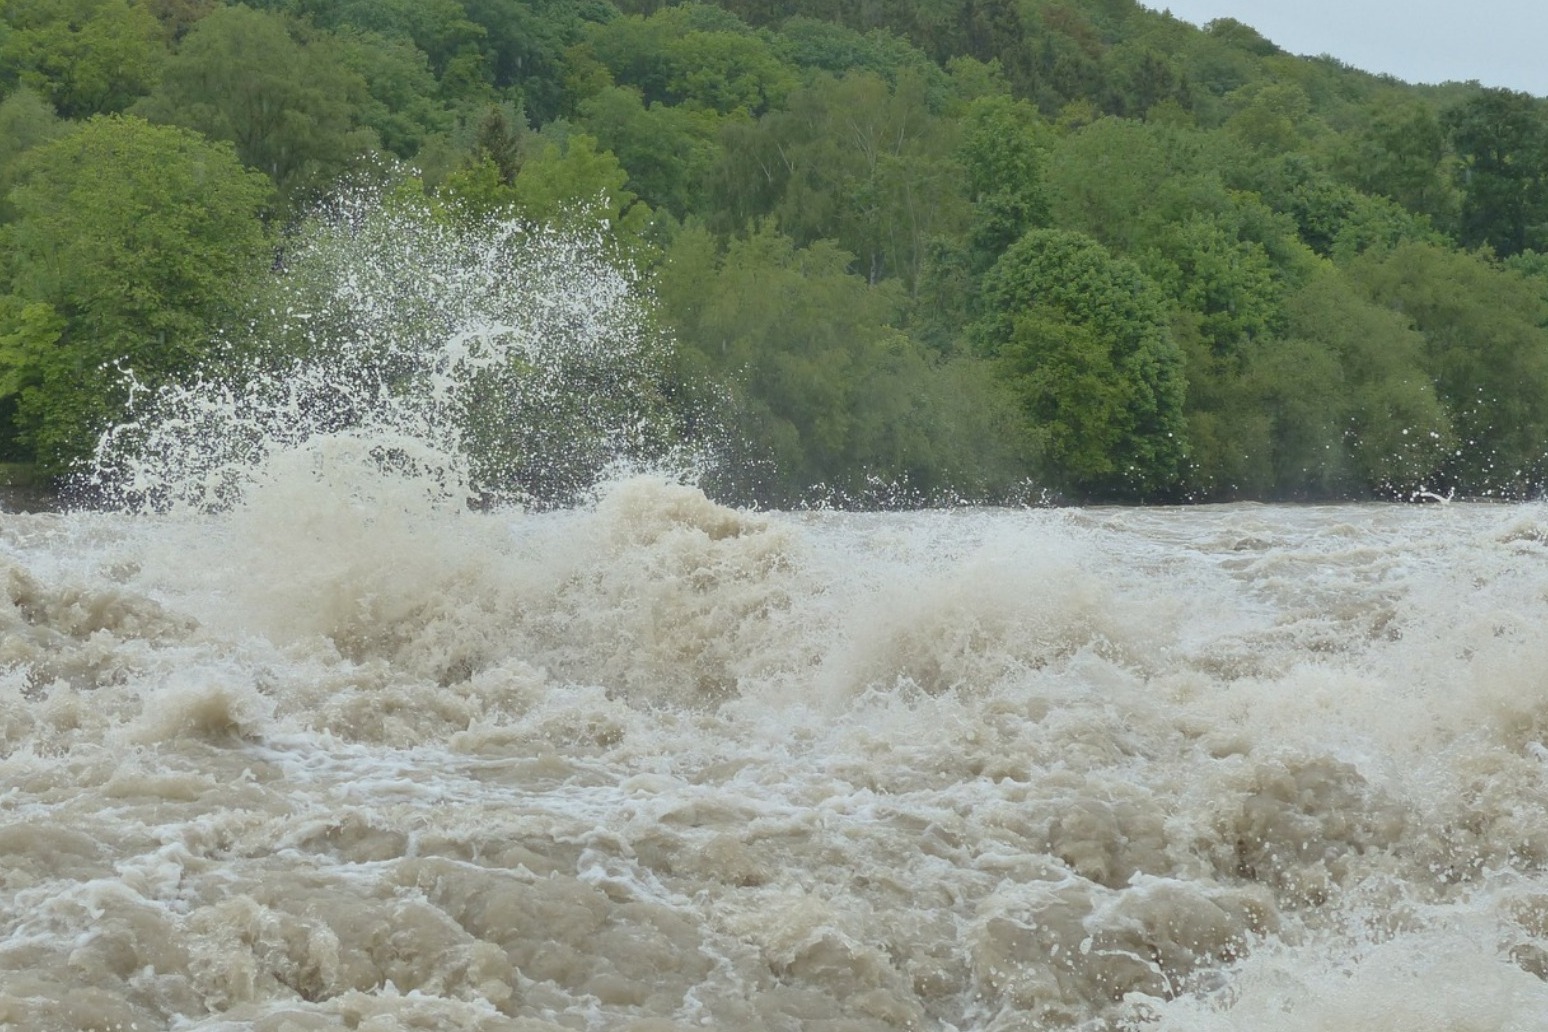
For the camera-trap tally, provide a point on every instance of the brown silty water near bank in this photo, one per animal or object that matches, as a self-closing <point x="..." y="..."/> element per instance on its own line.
<point x="349" y="758"/>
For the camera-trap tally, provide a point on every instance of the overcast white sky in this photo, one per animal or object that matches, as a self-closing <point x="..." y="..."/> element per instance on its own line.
<point x="1497" y="42"/>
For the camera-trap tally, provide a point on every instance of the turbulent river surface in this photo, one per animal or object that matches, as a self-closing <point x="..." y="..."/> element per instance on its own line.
<point x="332" y="761"/>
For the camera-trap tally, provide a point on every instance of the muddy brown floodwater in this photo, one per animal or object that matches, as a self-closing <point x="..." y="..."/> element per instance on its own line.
<point x="657" y="764"/>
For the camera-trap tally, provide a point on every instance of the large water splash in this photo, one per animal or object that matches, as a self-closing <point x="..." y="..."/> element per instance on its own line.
<point x="478" y="361"/>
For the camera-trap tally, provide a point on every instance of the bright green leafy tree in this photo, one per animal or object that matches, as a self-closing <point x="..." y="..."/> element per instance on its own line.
<point x="1086" y="339"/>
<point x="1003" y="157"/>
<point x="131" y="243"/>
<point x="401" y="102"/>
<point x="668" y="151"/>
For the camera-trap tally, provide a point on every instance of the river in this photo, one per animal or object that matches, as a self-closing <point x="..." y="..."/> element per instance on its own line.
<point x="343" y="760"/>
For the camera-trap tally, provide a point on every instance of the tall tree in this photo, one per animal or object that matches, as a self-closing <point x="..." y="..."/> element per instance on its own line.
<point x="826" y="392"/>
<point x="851" y="159"/>
<point x="454" y="44"/>
<point x="693" y="54"/>
<point x="1003" y="158"/>
<point x="1358" y="370"/>
<point x="401" y="103"/>
<point x="1086" y="340"/>
<point x="1401" y="152"/>
<point x="283" y="95"/>
<point x="667" y="150"/>
<point x="1501" y="140"/>
<point x="26" y="120"/>
<point x="1485" y="349"/>
<point x="130" y="245"/>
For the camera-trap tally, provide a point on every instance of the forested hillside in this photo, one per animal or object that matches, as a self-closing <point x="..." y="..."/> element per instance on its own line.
<point x="906" y="252"/>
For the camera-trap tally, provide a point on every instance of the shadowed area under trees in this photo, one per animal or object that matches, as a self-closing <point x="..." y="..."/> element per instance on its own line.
<point x="902" y="253"/>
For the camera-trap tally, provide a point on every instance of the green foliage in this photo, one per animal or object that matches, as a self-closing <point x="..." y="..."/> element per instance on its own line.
<point x="1003" y="161"/>
<point x="1388" y="428"/>
<point x="1400" y="151"/>
<point x="1002" y="158"/>
<point x="177" y="16"/>
<point x="1120" y="180"/>
<point x="1271" y="116"/>
<point x="1076" y="238"/>
<point x="285" y="97"/>
<point x="1341" y="404"/>
<point x="694" y="55"/>
<point x="853" y="160"/>
<point x="1204" y="264"/>
<point x="726" y="72"/>
<point x="668" y="151"/>
<point x="1485" y="349"/>
<point x="400" y="102"/>
<point x="1140" y="77"/>
<point x="827" y="47"/>
<point x="441" y="29"/>
<point x="825" y="390"/>
<point x="1501" y="140"/>
<point x="85" y="56"/>
<point x="1086" y="340"/>
<point x="558" y="182"/>
<point x="1225" y="57"/>
<point x="130" y="245"/>
<point x="524" y="45"/>
<point x="26" y="120"/>
<point x="1331" y="218"/>
<point x="559" y="177"/>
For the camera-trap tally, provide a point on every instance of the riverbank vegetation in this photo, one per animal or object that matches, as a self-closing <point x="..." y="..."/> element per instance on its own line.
<point x="906" y="253"/>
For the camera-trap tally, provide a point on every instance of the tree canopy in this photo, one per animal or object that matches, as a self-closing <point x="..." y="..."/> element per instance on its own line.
<point x="902" y="252"/>
<point x="129" y="244"/>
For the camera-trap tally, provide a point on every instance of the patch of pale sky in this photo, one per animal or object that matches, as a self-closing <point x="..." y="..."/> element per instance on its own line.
<point x="1497" y="42"/>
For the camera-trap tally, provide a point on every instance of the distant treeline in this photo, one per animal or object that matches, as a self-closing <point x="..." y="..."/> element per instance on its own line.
<point x="908" y="252"/>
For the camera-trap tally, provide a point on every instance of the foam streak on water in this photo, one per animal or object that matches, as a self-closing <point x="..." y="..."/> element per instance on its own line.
<point x="656" y="764"/>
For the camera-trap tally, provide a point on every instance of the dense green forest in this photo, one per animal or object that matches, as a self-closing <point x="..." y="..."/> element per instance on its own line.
<point x="904" y="252"/>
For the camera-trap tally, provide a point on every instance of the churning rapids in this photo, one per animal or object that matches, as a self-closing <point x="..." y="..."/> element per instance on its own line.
<point x="656" y="764"/>
<point x="300" y="740"/>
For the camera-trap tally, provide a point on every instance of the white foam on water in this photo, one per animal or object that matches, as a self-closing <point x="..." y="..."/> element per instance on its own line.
<point x="655" y="760"/>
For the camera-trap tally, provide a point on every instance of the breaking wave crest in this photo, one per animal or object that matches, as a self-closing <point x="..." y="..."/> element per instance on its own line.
<point x="491" y="361"/>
